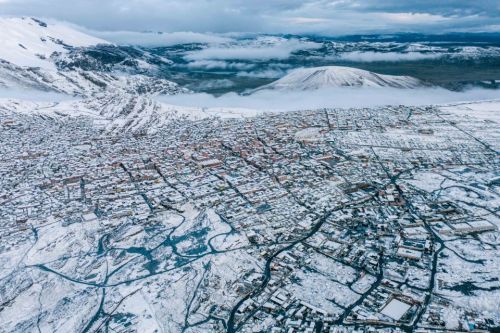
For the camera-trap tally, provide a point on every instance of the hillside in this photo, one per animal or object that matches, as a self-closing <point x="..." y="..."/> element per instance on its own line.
<point x="31" y="42"/>
<point x="337" y="76"/>
<point x="57" y="58"/>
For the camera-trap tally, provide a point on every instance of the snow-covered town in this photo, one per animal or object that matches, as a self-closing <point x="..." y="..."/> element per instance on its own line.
<point x="249" y="166"/>
<point x="331" y="220"/>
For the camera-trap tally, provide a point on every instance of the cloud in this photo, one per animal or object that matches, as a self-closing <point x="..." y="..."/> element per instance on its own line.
<point x="152" y="39"/>
<point x="332" y="17"/>
<point x="308" y="20"/>
<point x="413" y="18"/>
<point x="219" y="64"/>
<point x="34" y="95"/>
<point x="442" y="8"/>
<point x="212" y="84"/>
<point x="271" y="73"/>
<point x="253" y="69"/>
<point x="262" y="48"/>
<point x="334" y="97"/>
<point x="370" y="56"/>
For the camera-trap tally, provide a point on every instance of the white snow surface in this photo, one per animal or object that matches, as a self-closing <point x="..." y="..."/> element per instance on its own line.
<point x="337" y="76"/>
<point x="481" y="110"/>
<point x="28" y="42"/>
<point x="395" y="309"/>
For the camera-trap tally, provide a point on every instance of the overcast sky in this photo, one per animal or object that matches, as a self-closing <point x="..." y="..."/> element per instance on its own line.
<point x="331" y="17"/>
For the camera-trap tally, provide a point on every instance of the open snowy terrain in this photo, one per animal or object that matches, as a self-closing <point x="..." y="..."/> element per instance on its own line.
<point x="29" y="42"/>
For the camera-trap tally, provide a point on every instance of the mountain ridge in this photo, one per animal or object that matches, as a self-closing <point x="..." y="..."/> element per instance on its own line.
<point x="53" y="57"/>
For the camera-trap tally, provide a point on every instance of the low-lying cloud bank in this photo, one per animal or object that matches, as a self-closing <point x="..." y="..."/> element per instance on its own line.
<point x="262" y="48"/>
<point x="242" y="69"/>
<point x="272" y="72"/>
<point x="219" y="64"/>
<point x="330" y="98"/>
<point x="370" y="56"/>
<point x="157" y="39"/>
<point x="34" y="95"/>
<point x="272" y="100"/>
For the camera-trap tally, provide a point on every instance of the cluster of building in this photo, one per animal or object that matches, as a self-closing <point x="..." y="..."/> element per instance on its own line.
<point x="348" y="211"/>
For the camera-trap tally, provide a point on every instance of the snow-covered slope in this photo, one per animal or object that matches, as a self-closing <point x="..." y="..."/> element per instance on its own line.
<point x="83" y="83"/>
<point x="39" y="56"/>
<point x="337" y="76"/>
<point x="116" y="113"/>
<point x="111" y="113"/>
<point x="30" y="42"/>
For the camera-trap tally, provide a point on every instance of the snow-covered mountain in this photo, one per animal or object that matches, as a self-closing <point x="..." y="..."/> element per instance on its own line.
<point x="77" y="82"/>
<point x="116" y="85"/>
<point x="57" y="58"/>
<point x="31" y="42"/>
<point x="338" y="76"/>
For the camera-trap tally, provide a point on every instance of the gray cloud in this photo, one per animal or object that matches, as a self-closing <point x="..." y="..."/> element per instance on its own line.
<point x="329" y="97"/>
<point x="264" y="48"/>
<point x="371" y="56"/>
<point x="441" y="7"/>
<point x="270" y="16"/>
<point x="158" y="39"/>
<point x="218" y="64"/>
